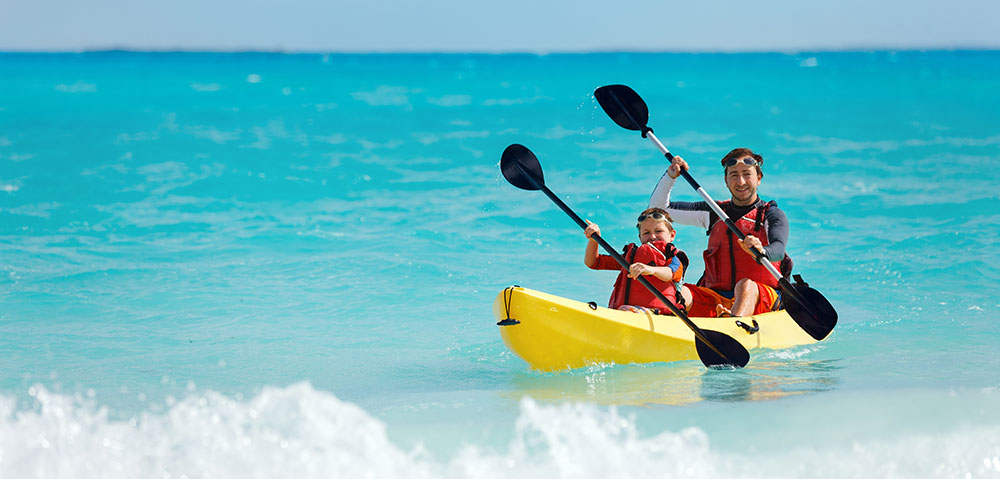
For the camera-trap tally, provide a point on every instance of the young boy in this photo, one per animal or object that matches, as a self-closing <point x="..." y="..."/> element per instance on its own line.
<point x="656" y="258"/>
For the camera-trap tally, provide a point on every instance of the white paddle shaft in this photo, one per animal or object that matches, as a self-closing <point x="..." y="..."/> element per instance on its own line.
<point x="761" y="258"/>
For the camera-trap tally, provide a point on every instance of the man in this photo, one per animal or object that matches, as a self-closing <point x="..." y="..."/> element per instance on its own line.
<point x="734" y="284"/>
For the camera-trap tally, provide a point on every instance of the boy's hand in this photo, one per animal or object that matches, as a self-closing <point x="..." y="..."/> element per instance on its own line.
<point x="676" y="167"/>
<point x="591" y="229"/>
<point x="639" y="269"/>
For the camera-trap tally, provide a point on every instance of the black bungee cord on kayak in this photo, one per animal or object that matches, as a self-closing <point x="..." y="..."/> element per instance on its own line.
<point x="508" y="295"/>
<point x="746" y="327"/>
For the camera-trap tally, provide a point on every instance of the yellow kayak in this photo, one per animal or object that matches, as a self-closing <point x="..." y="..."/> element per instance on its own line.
<point x="553" y="333"/>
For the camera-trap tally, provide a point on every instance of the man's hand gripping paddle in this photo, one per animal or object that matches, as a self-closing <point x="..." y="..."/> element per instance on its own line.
<point x="810" y="310"/>
<point x="716" y="350"/>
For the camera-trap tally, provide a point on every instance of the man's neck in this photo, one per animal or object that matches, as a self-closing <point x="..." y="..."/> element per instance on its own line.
<point x="751" y="202"/>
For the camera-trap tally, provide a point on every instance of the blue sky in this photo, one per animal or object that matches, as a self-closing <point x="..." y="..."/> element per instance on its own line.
<point x="497" y="26"/>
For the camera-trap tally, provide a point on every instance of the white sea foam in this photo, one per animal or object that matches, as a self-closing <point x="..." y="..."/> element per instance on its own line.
<point x="300" y="432"/>
<point x="205" y="87"/>
<point x="38" y="210"/>
<point x="291" y="432"/>
<point x="512" y="101"/>
<point x="214" y="134"/>
<point x="451" y="100"/>
<point x="385" y="95"/>
<point x="793" y="353"/>
<point x="17" y="156"/>
<point x="78" y="87"/>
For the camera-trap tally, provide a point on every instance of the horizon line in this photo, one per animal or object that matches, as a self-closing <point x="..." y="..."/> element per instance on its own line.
<point x="295" y="51"/>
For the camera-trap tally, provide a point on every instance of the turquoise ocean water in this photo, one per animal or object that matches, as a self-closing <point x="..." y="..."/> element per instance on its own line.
<point x="271" y="265"/>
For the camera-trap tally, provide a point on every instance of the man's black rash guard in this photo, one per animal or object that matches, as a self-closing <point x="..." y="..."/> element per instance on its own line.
<point x="697" y="213"/>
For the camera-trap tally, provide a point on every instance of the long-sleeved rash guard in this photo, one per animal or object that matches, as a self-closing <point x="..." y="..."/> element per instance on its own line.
<point x="697" y="213"/>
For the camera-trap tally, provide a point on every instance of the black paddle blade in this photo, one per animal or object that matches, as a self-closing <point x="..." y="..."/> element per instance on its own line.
<point x="624" y="106"/>
<point x="816" y="317"/>
<point x="519" y="165"/>
<point x="736" y="356"/>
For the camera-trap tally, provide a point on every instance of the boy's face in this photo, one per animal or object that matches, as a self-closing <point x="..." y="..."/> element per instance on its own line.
<point x="655" y="230"/>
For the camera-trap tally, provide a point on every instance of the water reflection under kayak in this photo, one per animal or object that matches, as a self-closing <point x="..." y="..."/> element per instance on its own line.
<point x="679" y="383"/>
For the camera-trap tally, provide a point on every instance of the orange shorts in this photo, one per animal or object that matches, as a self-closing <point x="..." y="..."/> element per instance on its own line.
<point x="705" y="299"/>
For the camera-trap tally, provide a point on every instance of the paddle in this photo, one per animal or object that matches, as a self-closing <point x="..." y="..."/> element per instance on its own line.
<point x="520" y="167"/>
<point x="813" y="313"/>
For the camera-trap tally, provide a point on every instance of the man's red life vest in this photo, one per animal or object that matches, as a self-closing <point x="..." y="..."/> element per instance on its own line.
<point x="631" y="292"/>
<point x="726" y="262"/>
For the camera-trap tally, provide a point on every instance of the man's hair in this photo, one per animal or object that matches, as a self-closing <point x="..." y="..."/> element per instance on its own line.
<point x="648" y="211"/>
<point x="738" y="153"/>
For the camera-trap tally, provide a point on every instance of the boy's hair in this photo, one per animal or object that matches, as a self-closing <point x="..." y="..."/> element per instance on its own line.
<point x="667" y="220"/>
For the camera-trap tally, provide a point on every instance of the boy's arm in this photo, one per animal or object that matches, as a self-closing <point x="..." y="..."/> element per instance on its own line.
<point x="590" y="253"/>
<point x="663" y="273"/>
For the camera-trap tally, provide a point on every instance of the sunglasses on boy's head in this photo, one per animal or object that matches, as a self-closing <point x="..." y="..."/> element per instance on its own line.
<point x="655" y="216"/>
<point x="745" y="160"/>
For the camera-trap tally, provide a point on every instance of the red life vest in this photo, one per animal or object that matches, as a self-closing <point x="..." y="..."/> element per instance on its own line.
<point x="631" y="292"/>
<point x="726" y="262"/>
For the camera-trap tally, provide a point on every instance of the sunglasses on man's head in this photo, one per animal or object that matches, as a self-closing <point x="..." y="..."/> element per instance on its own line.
<point x="745" y="160"/>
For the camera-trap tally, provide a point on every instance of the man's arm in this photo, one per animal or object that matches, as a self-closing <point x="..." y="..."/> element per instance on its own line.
<point x="683" y="212"/>
<point x="777" y="234"/>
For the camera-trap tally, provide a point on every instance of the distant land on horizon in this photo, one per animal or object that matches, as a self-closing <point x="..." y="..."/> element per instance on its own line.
<point x="292" y="51"/>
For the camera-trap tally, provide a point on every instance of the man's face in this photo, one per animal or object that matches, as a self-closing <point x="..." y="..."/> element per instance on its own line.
<point x="742" y="181"/>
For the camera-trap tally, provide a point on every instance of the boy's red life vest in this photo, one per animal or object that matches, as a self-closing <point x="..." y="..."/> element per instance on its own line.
<point x="726" y="262"/>
<point x="630" y="291"/>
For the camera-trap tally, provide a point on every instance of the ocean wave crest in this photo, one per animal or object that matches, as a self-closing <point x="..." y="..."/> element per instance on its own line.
<point x="300" y="432"/>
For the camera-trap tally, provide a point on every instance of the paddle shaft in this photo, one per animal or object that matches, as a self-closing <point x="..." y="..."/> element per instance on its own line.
<point x="759" y="256"/>
<point x="621" y="261"/>
<point x="640" y="125"/>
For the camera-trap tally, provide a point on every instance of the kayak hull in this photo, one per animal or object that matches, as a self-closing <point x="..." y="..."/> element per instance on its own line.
<point x="552" y="333"/>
